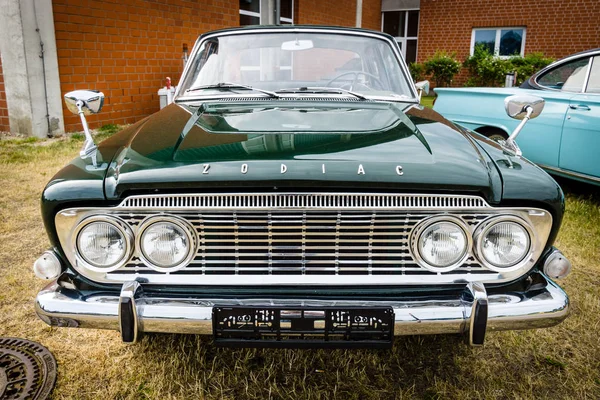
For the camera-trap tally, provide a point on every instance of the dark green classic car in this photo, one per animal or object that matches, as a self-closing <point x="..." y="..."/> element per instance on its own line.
<point x="296" y="194"/>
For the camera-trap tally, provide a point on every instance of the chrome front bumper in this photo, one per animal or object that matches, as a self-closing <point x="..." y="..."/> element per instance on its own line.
<point x="544" y="305"/>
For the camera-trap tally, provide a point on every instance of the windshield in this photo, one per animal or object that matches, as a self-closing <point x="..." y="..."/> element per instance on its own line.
<point x="281" y="62"/>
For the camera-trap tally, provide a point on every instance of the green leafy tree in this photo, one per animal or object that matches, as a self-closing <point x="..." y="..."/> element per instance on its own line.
<point x="442" y="67"/>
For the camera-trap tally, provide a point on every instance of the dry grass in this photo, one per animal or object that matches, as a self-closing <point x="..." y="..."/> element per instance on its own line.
<point x="561" y="362"/>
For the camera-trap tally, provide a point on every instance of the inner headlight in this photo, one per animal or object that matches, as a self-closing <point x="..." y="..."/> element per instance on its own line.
<point x="103" y="243"/>
<point x="442" y="244"/>
<point x="503" y="244"/>
<point x="166" y="243"/>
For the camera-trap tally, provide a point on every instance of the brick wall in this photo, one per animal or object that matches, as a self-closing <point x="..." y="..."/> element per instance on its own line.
<point x="337" y="13"/>
<point x="4" y="123"/>
<point x="555" y="27"/>
<point x="125" y="48"/>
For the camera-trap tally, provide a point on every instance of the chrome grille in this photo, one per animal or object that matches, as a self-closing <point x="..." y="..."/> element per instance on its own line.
<point x="288" y="242"/>
<point x="305" y="201"/>
<point x="302" y="238"/>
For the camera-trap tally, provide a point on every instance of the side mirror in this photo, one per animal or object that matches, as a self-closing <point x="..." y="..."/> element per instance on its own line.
<point x="91" y="101"/>
<point x="517" y="106"/>
<point x="86" y="102"/>
<point x="523" y="108"/>
<point x="422" y="87"/>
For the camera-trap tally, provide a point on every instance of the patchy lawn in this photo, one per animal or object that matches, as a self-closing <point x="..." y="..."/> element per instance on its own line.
<point x="560" y="362"/>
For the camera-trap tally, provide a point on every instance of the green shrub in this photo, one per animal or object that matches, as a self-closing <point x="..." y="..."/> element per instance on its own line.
<point x="417" y="71"/>
<point x="485" y="69"/>
<point x="528" y="65"/>
<point x="442" y="67"/>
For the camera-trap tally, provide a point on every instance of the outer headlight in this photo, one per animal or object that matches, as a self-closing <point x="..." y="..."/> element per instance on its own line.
<point x="166" y="243"/>
<point x="503" y="243"/>
<point x="441" y="244"/>
<point x="103" y="243"/>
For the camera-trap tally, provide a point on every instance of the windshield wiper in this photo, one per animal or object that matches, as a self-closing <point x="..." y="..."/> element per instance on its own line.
<point x="319" y="89"/>
<point x="232" y="86"/>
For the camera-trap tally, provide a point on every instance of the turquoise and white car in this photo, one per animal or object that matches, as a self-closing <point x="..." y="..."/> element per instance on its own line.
<point x="565" y="138"/>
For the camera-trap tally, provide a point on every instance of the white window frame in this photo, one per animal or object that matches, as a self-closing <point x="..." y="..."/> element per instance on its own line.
<point x="403" y="40"/>
<point x="497" y="39"/>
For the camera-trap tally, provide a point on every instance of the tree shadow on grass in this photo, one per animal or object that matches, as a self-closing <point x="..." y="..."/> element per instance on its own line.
<point x="195" y="363"/>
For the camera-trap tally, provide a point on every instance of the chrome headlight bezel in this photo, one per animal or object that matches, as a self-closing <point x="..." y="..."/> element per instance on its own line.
<point x="120" y="225"/>
<point x="485" y="226"/>
<point x="419" y="229"/>
<point x="184" y="225"/>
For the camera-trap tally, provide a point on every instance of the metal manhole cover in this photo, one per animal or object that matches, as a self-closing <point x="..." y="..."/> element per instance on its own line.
<point x="27" y="370"/>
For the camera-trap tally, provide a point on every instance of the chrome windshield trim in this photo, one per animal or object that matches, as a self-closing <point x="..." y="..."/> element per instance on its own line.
<point x="296" y="29"/>
<point x="348" y="272"/>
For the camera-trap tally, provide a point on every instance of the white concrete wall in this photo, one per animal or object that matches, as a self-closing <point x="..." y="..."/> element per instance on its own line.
<point x="28" y="92"/>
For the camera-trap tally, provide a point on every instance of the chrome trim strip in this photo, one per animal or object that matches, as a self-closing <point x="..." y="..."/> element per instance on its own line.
<point x="58" y="306"/>
<point x="308" y="201"/>
<point x="570" y="173"/>
<point x="587" y="74"/>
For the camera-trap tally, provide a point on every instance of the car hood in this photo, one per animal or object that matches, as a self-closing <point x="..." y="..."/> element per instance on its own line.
<point x="297" y="145"/>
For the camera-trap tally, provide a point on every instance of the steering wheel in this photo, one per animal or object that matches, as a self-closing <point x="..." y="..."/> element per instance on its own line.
<point x="356" y="74"/>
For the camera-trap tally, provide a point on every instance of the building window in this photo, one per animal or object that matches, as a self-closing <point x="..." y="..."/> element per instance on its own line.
<point x="250" y="12"/>
<point x="286" y="12"/>
<point x="503" y="42"/>
<point x="404" y="27"/>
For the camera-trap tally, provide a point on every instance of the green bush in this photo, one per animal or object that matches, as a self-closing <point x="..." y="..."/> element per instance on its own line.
<point x="417" y="71"/>
<point x="442" y="67"/>
<point x="485" y="69"/>
<point x="526" y="66"/>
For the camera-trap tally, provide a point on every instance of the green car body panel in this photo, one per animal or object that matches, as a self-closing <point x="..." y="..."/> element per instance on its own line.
<point x="370" y="147"/>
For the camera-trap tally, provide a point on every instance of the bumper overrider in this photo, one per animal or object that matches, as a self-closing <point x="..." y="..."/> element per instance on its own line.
<point x="471" y="313"/>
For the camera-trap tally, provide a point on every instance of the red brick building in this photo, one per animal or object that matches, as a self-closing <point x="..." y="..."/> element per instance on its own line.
<point x="126" y="48"/>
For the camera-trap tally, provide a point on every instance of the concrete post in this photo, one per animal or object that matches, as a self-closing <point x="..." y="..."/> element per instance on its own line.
<point x="359" y="7"/>
<point x="31" y="82"/>
<point x="269" y="12"/>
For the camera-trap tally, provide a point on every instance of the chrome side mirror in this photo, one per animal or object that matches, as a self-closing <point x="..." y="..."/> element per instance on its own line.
<point x="523" y="108"/>
<point x="422" y="87"/>
<point x="86" y="102"/>
<point x="92" y="101"/>
<point x="518" y="106"/>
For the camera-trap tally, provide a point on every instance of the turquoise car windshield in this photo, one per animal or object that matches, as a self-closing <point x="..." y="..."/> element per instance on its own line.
<point x="280" y="63"/>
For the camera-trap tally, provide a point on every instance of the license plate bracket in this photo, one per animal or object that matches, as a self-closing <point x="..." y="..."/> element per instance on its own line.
<point x="303" y="327"/>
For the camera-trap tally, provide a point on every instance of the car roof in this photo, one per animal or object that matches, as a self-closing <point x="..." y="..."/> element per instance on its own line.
<point x="292" y="28"/>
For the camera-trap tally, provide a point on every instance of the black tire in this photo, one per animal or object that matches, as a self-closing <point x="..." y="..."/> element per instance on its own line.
<point x="495" y="134"/>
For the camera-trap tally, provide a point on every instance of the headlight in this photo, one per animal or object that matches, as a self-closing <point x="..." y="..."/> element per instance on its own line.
<point x="441" y="244"/>
<point x="103" y="243"/>
<point x="503" y="243"/>
<point x="166" y="243"/>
